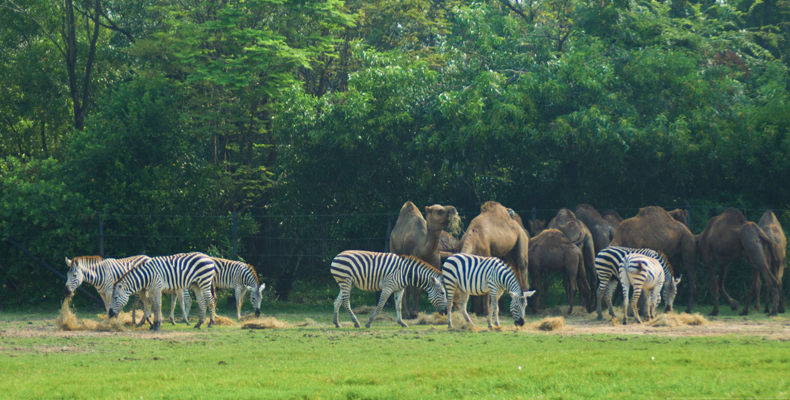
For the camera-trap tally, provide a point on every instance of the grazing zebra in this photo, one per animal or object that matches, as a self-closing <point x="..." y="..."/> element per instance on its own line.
<point x="239" y="276"/>
<point x="643" y="273"/>
<point x="178" y="271"/>
<point x="474" y="275"/>
<point x="101" y="273"/>
<point x="387" y="272"/>
<point x="608" y="263"/>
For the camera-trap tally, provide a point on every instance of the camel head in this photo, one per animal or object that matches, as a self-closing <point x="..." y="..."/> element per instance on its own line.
<point x="518" y="305"/>
<point x="256" y="295"/>
<point x="437" y="295"/>
<point x="443" y="218"/>
<point x="537" y="226"/>
<point x="670" y="291"/>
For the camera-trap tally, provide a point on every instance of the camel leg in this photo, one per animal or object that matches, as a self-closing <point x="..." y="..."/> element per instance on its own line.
<point x="714" y="284"/>
<point x="584" y="286"/>
<point x="689" y="248"/>
<point x="385" y="295"/>
<point x="571" y="276"/>
<point x="751" y="292"/>
<point x="732" y="302"/>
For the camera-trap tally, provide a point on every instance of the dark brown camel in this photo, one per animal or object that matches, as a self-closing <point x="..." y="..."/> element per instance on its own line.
<point x="495" y="233"/>
<point x="654" y="228"/>
<point x="536" y="226"/>
<point x="681" y="216"/>
<point x="578" y="234"/>
<point x="771" y="226"/>
<point x="552" y="251"/>
<point x="729" y="237"/>
<point x="602" y="230"/>
<point x="415" y="236"/>
<point x="613" y="217"/>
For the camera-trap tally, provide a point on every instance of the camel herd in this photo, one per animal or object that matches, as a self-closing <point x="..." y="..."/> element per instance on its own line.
<point x="571" y="240"/>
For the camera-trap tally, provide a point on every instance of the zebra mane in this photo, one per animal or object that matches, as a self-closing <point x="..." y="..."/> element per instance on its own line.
<point x="88" y="258"/>
<point x="420" y="262"/>
<point x="665" y="261"/>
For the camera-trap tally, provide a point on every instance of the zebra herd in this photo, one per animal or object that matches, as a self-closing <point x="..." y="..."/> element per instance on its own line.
<point x="461" y="274"/>
<point x="466" y="274"/>
<point x="149" y="277"/>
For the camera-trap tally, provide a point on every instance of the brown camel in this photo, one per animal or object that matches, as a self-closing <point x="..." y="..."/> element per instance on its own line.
<point x="680" y="215"/>
<point x="602" y="230"/>
<point x="654" y="228"/>
<point x="536" y="226"/>
<point x="728" y="237"/>
<point x="495" y="233"/>
<point x="415" y="236"/>
<point x="770" y="225"/>
<point x="578" y="234"/>
<point x="552" y="251"/>
<point x="613" y="217"/>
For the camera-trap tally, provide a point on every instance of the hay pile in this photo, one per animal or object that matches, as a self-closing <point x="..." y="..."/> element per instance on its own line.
<point x="265" y="323"/>
<point x="673" y="320"/>
<point x="425" y="319"/>
<point x="549" y="324"/>
<point x="220" y="320"/>
<point x="578" y="311"/>
<point x="67" y="321"/>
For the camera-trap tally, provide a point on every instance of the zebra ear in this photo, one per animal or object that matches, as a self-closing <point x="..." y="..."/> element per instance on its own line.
<point x="436" y="281"/>
<point x="68" y="262"/>
<point x="529" y="293"/>
<point x="260" y="288"/>
<point x="677" y="281"/>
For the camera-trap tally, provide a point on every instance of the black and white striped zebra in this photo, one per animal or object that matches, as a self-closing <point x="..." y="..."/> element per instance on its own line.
<point x="240" y="277"/>
<point x="178" y="271"/>
<point x="642" y="273"/>
<point x="474" y="275"/>
<point x="99" y="272"/>
<point x="387" y="272"/>
<point x="608" y="263"/>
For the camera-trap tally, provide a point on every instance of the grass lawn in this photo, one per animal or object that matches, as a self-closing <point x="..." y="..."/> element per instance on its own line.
<point x="321" y="362"/>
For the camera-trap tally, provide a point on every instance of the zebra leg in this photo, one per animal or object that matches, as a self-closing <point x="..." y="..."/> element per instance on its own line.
<point x="626" y="288"/>
<point x="212" y="305"/>
<point x="462" y="300"/>
<point x="156" y="305"/>
<point x="599" y="295"/>
<point x="398" y="302"/>
<point x="450" y="293"/>
<point x="200" y="297"/>
<point x="347" y="304"/>
<point x="186" y="304"/>
<point x="338" y="302"/>
<point x="240" y="291"/>
<point x="385" y="295"/>
<point x="173" y="301"/>
<point x="611" y="286"/>
<point x="493" y="309"/>
<point x="635" y="303"/>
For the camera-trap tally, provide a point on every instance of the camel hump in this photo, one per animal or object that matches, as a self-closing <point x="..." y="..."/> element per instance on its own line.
<point x="735" y="215"/>
<point x="589" y="210"/>
<point x="566" y="213"/>
<point x="490" y="206"/>
<point x="768" y="218"/>
<point x="652" y="211"/>
<point x="409" y="208"/>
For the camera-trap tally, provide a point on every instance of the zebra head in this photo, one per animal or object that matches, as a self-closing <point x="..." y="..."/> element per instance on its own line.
<point x="121" y="291"/>
<point x="437" y="295"/>
<point x="74" y="278"/>
<point x="518" y="305"/>
<point x="256" y="295"/>
<point x="671" y="290"/>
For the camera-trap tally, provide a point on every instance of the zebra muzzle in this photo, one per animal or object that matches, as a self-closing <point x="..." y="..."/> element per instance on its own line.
<point x="520" y="322"/>
<point x="67" y="292"/>
<point x="111" y="313"/>
<point x="257" y="312"/>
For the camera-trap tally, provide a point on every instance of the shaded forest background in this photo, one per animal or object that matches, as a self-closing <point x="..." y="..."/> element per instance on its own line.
<point x="310" y="122"/>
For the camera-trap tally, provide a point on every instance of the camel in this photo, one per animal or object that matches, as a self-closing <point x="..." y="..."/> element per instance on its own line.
<point x="537" y="226"/>
<point x="770" y="225"/>
<point x="578" y="234"/>
<point x="728" y="237"/>
<point x="552" y="251"/>
<point x="680" y="215"/>
<point x="602" y="230"/>
<point x="654" y="228"/>
<point x="613" y="217"/>
<point x="416" y="236"/>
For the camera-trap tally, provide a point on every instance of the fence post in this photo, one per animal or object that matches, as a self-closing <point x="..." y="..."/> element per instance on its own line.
<point x="101" y="236"/>
<point x="235" y="234"/>
<point x="389" y="231"/>
<point x="688" y="214"/>
<point x="533" y="215"/>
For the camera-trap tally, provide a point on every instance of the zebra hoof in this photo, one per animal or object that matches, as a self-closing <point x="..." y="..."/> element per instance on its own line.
<point x="367" y="325"/>
<point x="403" y="324"/>
<point x="600" y="317"/>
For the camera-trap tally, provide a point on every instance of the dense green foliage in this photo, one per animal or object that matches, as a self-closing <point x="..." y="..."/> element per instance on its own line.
<point x="316" y="362"/>
<point x="165" y="119"/>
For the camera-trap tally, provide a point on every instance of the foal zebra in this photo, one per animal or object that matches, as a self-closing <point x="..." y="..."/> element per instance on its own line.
<point x="101" y="273"/>
<point x="240" y="277"/>
<point x="610" y="261"/>
<point x="387" y="272"/>
<point x="178" y="271"/>
<point x="641" y="272"/>
<point x="475" y="275"/>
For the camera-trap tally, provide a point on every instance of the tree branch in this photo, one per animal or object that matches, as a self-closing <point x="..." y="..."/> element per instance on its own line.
<point x="18" y="9"/>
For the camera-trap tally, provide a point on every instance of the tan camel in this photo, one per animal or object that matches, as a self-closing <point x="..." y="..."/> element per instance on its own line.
<point x="552" y="251"/>
<point x="613" y="217"/>
<point x="602" y="230"/>
<point x="654" y="228"/>
<point x="729" y="237"/>
<point x="680" y="215"/>
<point x="415" y="236"/>
<point x="771" y="226"/>
<point x="494" y="233"/>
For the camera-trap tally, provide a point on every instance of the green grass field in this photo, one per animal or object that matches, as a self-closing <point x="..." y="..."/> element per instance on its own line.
<point x="320" y="362"/>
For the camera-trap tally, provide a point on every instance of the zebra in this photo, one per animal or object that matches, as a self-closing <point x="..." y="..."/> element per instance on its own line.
<point x="608" y="263"/>
<point x="474" y="275"/>
<point x="101" y="273"/>
<point x="241" y="277"/>
<point x="178" y="271"/>
<point x="641" y="272"/>
<point x="387" y="272"/>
